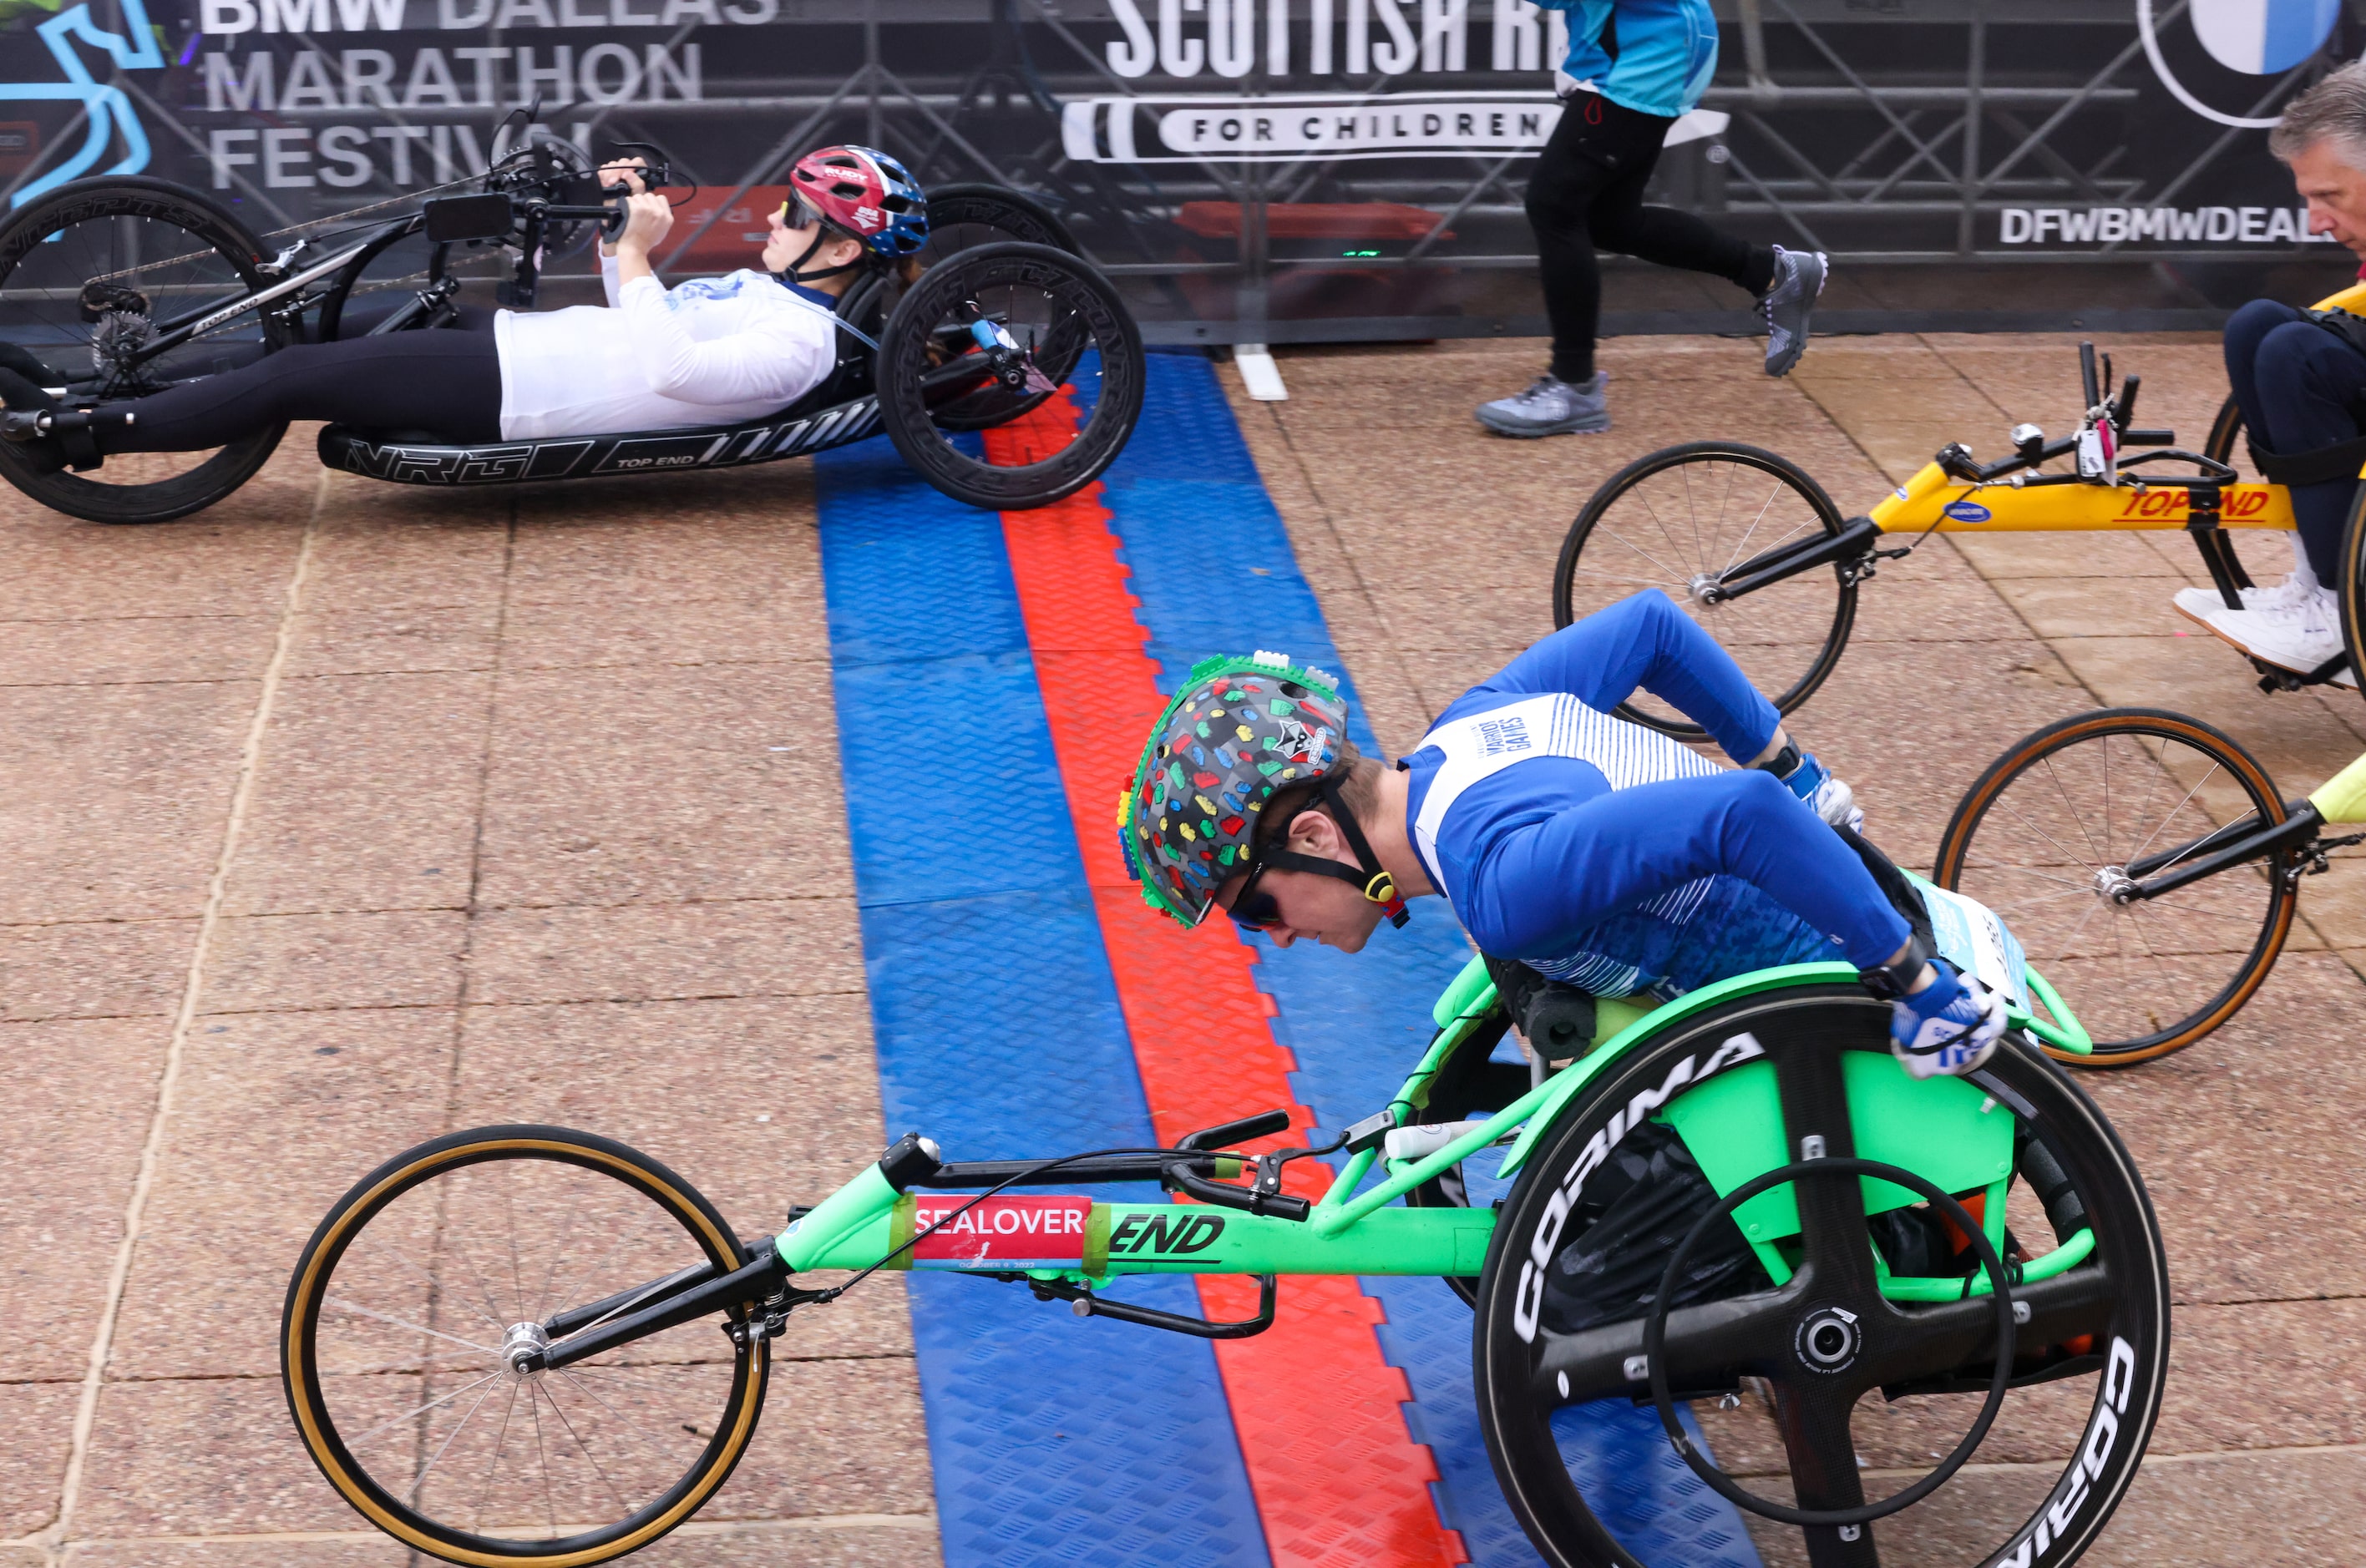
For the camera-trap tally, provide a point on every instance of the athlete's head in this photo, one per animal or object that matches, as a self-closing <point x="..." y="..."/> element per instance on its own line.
<point x="2322" y="138"/>
<point x="1246" y="800"/>
<point x="846" y="206"/>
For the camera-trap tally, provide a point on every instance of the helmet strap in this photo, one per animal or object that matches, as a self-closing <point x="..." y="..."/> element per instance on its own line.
<point x="1365" y="874"/>
<point x="795" y="270"/>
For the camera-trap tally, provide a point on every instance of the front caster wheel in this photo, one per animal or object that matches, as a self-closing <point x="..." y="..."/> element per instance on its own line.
<point x="1830" y="1356"/>
<point x="1678" y="519"/>
<point x="418" y="1293"/>
<point x="2046" y="838"/>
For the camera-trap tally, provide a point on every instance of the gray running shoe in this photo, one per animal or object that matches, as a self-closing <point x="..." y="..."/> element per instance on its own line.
<point x="1785" y="306"/>
<point x="1551" y="408"/>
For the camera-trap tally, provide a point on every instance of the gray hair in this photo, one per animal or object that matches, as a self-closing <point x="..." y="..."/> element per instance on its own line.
<point x="2333" y="111"/>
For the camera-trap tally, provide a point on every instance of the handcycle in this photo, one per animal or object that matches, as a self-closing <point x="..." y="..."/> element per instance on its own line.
<point x="2150" y="858"/>
<point x="125" y="286"/>
<point x="1752" y="546"/>
<point x="528" y="1343"/>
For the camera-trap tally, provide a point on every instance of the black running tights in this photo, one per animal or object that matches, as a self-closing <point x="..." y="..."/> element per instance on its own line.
<point x="446" y="382"/>
<point x="1587" y="191"/>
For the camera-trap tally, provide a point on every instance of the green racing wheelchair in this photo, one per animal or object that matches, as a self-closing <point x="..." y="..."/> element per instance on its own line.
<point x="531" y="1344"/>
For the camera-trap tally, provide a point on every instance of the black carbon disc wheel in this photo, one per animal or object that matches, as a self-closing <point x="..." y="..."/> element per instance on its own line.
<point x="1853" y="1421"/>
<point x="1069" y="327"/>
<point x="2045" y="834"/>
<point x="412" y="1296"/>
<point x="87" y="273"/>
<point x="1674" y="519"/>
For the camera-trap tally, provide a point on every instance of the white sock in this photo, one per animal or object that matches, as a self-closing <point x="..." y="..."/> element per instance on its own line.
<point x="2301" y="568"/>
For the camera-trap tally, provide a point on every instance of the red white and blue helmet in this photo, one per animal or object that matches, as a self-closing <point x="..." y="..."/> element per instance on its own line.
<point x="863" y="192"/>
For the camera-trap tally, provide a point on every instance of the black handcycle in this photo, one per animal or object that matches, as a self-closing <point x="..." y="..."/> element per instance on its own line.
<point x="128" y="286"/>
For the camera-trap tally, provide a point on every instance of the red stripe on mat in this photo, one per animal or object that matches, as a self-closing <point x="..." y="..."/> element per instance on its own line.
<point x="1339" y="1481"/>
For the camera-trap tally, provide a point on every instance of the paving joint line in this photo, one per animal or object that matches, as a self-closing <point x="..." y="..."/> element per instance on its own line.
<point x="51" y="1539"/>
<point x="1390" y="647"/>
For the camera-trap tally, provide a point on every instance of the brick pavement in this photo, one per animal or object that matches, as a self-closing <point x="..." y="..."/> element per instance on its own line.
<point x="1432" y="546"/>
<point x="343" y="813"/>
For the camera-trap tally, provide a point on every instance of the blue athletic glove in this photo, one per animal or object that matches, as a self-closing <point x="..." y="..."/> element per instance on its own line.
<point x="1951" y="1025"/>
<point x="1828" y="797"/>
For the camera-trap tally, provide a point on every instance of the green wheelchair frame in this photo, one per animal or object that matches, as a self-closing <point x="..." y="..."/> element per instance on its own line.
<point x="1933" y="1125"/>
<point x="1914" y="1138"/>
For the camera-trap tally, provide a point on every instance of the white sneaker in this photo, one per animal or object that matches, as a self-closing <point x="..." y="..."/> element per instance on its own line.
<point x="2297" y="637"/>
<point x="2199" y="604"/>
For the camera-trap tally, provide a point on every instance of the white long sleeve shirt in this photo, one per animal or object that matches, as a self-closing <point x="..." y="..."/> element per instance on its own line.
<point x="710" y="351"/>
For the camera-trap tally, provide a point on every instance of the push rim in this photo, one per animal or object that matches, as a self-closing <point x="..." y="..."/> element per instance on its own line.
<point x="1676" y="519"/>
<point x="154" y="251"/>
<point x="2102" y="1394"/>
<point x="2043" y="836"/>
<point x="1060" y="310"/>
<point x="437" y="1265"/>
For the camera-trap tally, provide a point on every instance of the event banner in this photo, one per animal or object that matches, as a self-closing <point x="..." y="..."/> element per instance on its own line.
<point x="1251" y="167"/>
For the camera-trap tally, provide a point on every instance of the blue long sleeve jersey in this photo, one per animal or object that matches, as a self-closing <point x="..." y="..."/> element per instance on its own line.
<point x="1605" y="853"/>
<point x="1652" y="56"/>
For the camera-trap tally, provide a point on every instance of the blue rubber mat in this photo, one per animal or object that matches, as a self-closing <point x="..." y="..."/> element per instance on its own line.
<point x="1055" y="1440"/>
<point x="1212" y="564"/>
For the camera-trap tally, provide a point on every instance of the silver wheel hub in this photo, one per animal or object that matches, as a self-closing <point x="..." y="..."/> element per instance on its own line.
<point x="2115" y="887"/>
<point x="522" y="1341"/>
<point x="1703" y="586"/>
<point x="1827" y="1340"/>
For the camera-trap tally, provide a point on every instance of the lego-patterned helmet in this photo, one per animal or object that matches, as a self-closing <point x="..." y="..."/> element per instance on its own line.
<point x="1239" y="730"/>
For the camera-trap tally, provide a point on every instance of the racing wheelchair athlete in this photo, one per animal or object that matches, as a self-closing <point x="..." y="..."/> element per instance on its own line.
<point x="150" y="342"/>
<point x="1738" y="1191"/>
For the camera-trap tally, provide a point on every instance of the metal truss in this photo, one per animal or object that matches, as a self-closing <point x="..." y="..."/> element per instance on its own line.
<point x="1882" y="139"/>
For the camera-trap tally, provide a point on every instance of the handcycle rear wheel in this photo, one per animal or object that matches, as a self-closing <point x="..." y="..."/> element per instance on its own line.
<point x="152" y="251"/>
<point x="425" y="1278"/>
<point x="1677" y="517"/>
<point x="1080" y="336"/>
<point x="2097" y="1337"/>
<point x="2041" y="836"/>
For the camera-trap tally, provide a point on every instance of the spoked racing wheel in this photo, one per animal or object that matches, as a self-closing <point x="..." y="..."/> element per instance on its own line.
<point x="1021" y="323"/>
<point x="2046" y="837"/>
<point x="91" y="275"/>
<point x="1675" y="519"/>
<point x="418" y="1300"/>
<point x="1838" y="1330"/>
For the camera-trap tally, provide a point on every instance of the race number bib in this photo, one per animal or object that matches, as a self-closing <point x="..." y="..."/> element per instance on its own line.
<point x="1970" y="936"/>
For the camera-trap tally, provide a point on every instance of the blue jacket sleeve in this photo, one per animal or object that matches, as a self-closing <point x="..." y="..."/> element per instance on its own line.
<point x="1543" y="883"/>
<point x="1646" y="642"/>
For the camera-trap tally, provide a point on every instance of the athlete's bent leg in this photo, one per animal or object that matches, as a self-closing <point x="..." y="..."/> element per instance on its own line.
<point x="2297" y="391"/>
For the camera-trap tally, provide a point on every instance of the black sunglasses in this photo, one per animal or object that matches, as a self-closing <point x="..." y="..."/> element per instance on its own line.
<point x="1253" y="908"/>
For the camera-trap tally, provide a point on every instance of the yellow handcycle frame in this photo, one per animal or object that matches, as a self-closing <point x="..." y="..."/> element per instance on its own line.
<point x="2133" y="505"/>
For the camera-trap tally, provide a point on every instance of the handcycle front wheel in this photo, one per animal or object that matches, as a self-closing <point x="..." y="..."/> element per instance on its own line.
<point x="88" y="274"/>
<point x="2046" y="838"/>
<point x="963" y="217"/>
<point x="425" y="1281"/>
<point x="2087" y="1368"/>
<point x="1072" y="335"/>
<point x="1677" y="520"/>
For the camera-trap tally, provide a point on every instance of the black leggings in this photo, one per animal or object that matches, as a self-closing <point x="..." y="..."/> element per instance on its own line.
<point x="1587" y="191"/>
<point x="445" y="382"/>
